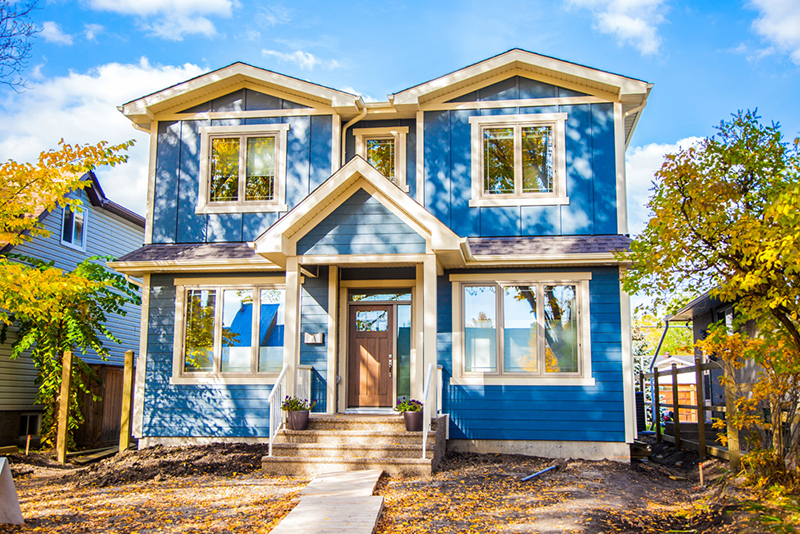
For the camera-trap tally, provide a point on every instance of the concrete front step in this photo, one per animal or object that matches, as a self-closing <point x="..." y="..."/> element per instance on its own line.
<point x="367" y="450"/>
<point x="352" y="437"/>
<point x="293" y="466"/>
<point x="359" y="422"/>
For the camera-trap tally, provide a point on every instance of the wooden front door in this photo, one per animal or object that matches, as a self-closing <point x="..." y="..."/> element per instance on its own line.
<point x="370" y="363"/>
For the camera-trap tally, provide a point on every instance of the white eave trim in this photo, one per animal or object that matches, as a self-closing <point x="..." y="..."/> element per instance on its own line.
<point x="171" y="266"/>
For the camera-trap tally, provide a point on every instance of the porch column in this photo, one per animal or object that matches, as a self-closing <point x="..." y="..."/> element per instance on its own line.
<point x="333" y="325"/>
<point x="429" y="324"/>
<point x="291" y="338"/>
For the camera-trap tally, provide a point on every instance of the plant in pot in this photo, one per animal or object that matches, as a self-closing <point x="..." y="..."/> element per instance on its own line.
<point x="297" y="411"/>
<point x="412" y="413"/>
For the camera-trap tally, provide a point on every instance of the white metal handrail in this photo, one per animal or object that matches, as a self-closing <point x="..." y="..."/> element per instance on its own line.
<point x="426" y="413"/>
<point x="275" y="412"/>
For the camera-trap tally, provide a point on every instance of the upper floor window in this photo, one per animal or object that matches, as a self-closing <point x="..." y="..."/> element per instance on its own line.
<point x="243" y="168"/>
<point x="384" y="149"/>
<point x="518" y="160"/>
<point x="73" y="228"/>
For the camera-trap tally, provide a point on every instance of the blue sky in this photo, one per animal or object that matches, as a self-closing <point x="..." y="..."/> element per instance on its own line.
<point x="707" y="60"/>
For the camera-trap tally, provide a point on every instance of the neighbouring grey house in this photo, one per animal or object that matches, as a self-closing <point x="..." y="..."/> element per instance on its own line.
<point x="101" y="227"/>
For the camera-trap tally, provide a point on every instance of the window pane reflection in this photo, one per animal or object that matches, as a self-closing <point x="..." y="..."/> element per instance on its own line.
<point x="520" y="331"/>
<point x="480" y="330"/>
<point x="561" y="329"/>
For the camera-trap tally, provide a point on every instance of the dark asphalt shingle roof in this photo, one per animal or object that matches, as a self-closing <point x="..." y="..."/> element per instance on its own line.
<point x="548" y="246"/>
<point x="193" y="252"/>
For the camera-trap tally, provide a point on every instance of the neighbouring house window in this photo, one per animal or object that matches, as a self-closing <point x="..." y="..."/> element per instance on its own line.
<point x="73" y="228"/>
<point x="384" y="149"/>
<point x="243" y="168"/>
<point x="230" y="331"/>
<point x="518" y="160"/>
<point x="534" y="328"/>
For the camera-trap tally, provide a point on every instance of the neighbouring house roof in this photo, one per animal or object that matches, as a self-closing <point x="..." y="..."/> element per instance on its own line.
<point x="698" y="306"/>
<point x="98" y="199"/>
<point x="231" y="78"/>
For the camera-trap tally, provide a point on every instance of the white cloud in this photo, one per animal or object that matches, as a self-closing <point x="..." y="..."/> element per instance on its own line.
<point x="92" y="30"/>
<point x="779" y="24"/>
<point x="52" y="34"/>
<point x="171" y="19"/>
<point x="81" y="108"/>
<point x="352" y="91"/>
<point x="632" y="21"/>
<point x="274" y="15"/>
<point x="642" y="162"/>
<point x="304" y="60"/>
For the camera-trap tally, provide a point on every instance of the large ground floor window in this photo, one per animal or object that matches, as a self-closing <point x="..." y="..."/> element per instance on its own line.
<point x="523" y="328"/>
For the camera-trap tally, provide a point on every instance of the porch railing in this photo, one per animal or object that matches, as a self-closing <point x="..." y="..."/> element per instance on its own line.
<point x="426" y="410"/>
<point x="275" y="412"/>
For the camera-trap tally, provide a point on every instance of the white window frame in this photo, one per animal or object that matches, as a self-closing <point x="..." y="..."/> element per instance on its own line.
<point x="584" y="375"/>
<point x="182" y="286"/>
<point x="398" y="133"/>
<point x="558" y="196"/>
<point x="85" y="214"/>
<point x="204" y="204"/>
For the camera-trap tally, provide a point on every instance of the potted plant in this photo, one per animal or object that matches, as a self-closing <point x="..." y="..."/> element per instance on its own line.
<point x="412" y="413"/>
<point x="297" y="412"/>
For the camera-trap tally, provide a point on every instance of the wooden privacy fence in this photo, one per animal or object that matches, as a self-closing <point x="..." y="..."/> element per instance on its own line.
<point x="730" y="453"/>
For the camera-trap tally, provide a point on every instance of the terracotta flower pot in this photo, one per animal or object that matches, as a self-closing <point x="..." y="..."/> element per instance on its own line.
<point x="297" y="420"/>
<point x="413" y="421"/>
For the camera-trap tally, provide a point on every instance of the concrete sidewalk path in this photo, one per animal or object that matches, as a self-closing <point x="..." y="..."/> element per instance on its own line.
<point x="336" y="502"/>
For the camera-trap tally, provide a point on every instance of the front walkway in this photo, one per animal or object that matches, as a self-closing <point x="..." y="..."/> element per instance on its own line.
<point x="336" y="502"/>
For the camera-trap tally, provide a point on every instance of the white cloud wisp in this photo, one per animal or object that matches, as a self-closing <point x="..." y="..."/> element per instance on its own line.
<point x="632" y="21"/>
<point x="779" y="24"/>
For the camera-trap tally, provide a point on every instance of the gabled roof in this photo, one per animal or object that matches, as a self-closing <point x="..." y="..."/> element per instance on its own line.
<point x="631" y="92"/>
<point x="228" y="79"/>
<point x="279" y="241"/>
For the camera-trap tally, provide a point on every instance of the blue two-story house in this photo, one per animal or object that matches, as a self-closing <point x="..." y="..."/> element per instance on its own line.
<point x="468" y="223"/>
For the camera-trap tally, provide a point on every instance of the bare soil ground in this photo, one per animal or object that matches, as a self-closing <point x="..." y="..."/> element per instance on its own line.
<point x="219" y="488"/>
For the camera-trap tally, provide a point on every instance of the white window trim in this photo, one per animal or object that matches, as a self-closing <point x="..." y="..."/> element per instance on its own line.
<point x="583" y="378"/>
<point x="557" y="197"/>
<point x="398" y="133"/>
<point x="216" y="377"/>
<point x="242" y="206"/>
<point x="85" y="213"/>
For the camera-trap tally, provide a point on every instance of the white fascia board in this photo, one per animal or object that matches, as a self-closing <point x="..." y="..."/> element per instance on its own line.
<point x="146" y="267"/>
<point x="520" y="58"/>
<point x="332" y="97"/>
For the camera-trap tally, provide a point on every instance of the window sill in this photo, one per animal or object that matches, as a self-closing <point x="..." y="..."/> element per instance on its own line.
<point x="242" y="208"/>
<point x="73" y="247"/>
<point x="224" y="380"/>
<point x="519" y="201"/>
<point x="521" y="381"/>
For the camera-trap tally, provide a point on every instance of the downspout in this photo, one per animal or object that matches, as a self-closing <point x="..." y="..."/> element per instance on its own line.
<point x="348" y="125"/>
<point x="653" y="391"/>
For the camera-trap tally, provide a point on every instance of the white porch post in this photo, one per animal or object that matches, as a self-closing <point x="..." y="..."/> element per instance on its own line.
<point x="333" y="325"/>
<point x="419" y="337"/>
<point x="291" y="338"/>
<point x="429" y="322"/>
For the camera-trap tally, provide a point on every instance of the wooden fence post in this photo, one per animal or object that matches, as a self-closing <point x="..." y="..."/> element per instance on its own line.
<point x="127" y="390"/>
<point x="730" y="411"/>
<point x="676" y="416"/>
<point x="63" y="407"/>
<point x="701" y="405"/>
<point x="657" y="404"/>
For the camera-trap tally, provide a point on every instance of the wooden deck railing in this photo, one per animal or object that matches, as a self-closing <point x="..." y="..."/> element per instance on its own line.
<point x="731" y="452"/>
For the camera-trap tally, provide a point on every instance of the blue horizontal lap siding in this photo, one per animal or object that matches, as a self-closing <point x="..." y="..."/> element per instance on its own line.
<point x="590" y="163"/>
<point x="201" y="410"/>
<point x="361" y="225"/>
<point x="562" y="413"/>
<point x="177" y="183"/>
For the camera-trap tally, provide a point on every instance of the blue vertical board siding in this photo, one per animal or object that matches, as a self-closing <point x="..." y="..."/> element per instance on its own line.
<point x="604" y="167"/>
<point x="297" y="164"/>
<point x="255" y="224"/>
<point x="191" y="227"/>
<point x="444" y="324"/>
<point x="255" y="101"/>
<point x="540" y="220"/>
<point x="500" y="222"/>
<point x="465" y="220"/>
<point x="437" y="164"/>
<point x="578" y="216"/>
<point x="563" y="413"/>
<point x="168" y="160"/>
<point x="230" y="102"/>
<point x="361" y="225"/>
<point x="320" y="156"/>
<point x="314" y="319"/>
<point x="507" y="89"/>
<point x="224" y="227"/>
<point x="201" y="410"/>
<point x="516" y="87"/>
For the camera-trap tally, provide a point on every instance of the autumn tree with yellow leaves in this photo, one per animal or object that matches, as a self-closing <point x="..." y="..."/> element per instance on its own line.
<point x="53" y="311"/>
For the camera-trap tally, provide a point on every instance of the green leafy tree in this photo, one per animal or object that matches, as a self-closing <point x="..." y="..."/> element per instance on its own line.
<point x="55" y="311"/>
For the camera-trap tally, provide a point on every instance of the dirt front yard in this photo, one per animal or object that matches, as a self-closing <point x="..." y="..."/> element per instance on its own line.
<point x="219" y="488"/>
